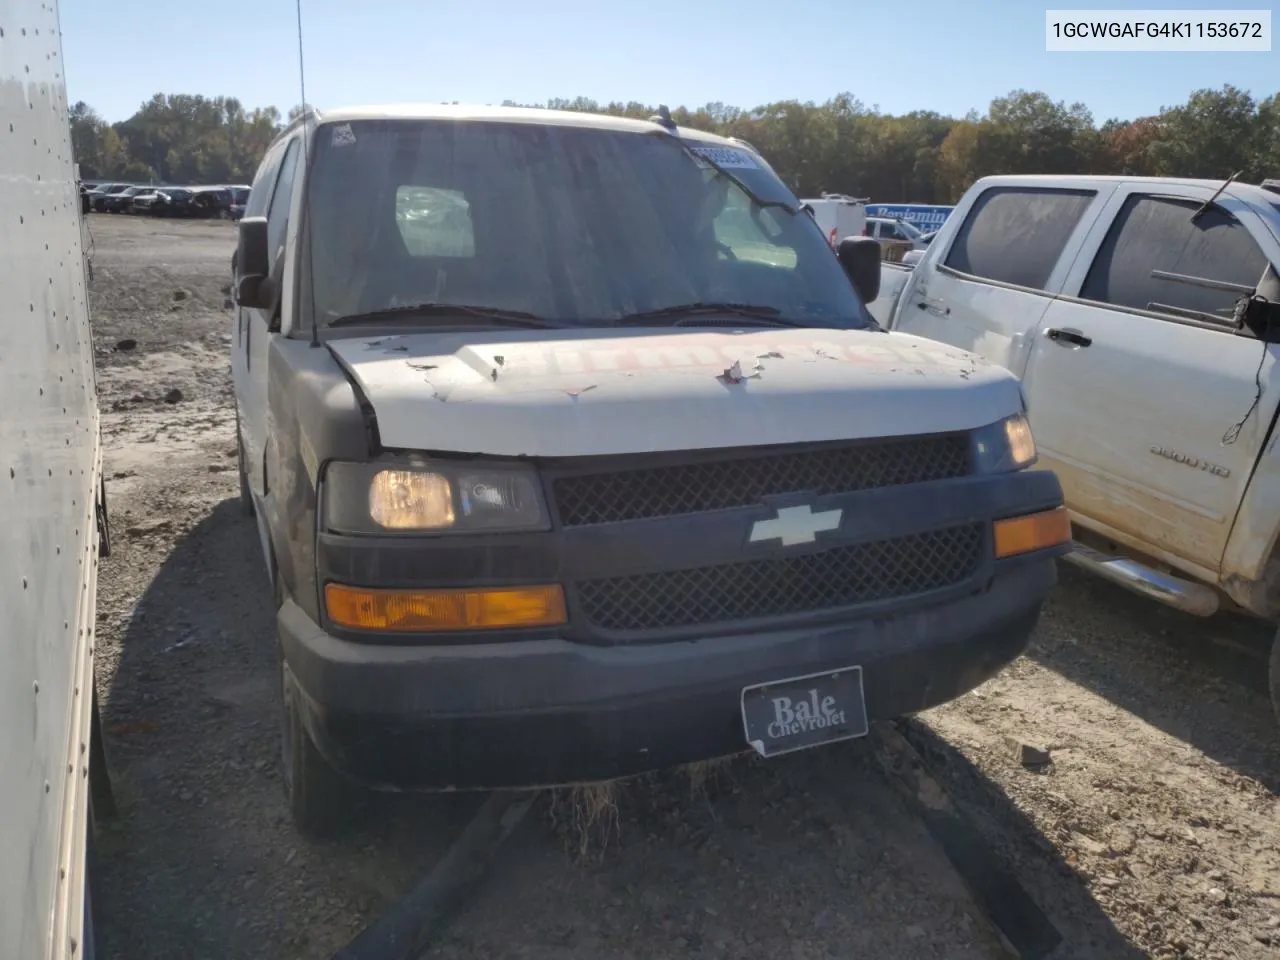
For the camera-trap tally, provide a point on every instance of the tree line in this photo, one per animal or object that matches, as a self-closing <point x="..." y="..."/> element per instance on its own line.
<point x="840" y="146"/>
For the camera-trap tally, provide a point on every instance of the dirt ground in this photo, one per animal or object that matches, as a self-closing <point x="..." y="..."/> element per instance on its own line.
<point x="1154" y="832"/>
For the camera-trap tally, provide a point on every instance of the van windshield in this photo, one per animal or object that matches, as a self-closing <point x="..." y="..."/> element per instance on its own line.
<point x="577" y="225"/>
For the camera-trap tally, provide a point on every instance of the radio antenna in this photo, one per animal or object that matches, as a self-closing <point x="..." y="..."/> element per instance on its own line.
<point x="302" y="72"/>
<point x="306" y="221"/>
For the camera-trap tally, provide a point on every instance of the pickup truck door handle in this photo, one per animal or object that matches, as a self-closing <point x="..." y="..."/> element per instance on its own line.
<point x="1068" y="337"/>
<point x="934" y="306"/>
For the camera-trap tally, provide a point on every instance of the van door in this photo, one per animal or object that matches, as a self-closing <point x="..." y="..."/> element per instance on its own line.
<point x="242" y="341"/>
<point x="1144" y="397"/>
<point x="987" y="289"/>
<point x="261" y="328"/>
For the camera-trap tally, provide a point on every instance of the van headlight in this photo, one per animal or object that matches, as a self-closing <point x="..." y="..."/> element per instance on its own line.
<point x="1004" y="446"/>
<point x="434" y="497"/>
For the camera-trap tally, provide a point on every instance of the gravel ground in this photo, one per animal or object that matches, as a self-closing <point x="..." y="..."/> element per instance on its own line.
<point x="1154" y="832"/>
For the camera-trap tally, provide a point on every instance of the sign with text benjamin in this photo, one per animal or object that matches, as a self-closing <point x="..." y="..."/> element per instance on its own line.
<point x="924" y="216"/>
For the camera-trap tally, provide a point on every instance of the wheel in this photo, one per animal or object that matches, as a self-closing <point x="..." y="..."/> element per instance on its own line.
<point x="320" y="801"/>
<point x="1274" y="675"/>
<point x="246" y="494"/>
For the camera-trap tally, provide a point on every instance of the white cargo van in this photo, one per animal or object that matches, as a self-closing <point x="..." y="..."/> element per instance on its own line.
<point x="839" y="216"/>
<point x="575" y="454"/>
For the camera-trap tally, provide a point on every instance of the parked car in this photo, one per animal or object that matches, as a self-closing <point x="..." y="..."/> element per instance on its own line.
<point x="142" y="202"/>
<point x="99" y="195"/>
<point x="239" y="197"/>
<point x="210" y="202"/>
<point x="1143" y="316"/>
<point x="171" y="202"/>
<point x="684" y="497"/>
<point x="884" y="229"/>
<point x="120" y="201"/>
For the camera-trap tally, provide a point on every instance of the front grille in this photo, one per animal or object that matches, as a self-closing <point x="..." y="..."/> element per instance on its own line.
<point x="723" y="484"/>
<point x="840" y="577"/>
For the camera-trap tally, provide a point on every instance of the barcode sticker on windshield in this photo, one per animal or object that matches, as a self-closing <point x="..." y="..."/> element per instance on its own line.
<point x="726" y="157"/>
<point x="342" y="135"/>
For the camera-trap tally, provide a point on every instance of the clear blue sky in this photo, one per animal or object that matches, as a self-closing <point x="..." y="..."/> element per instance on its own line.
<point x="899" y="55"/>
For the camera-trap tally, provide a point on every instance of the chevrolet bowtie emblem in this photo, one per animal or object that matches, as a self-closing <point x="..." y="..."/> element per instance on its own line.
<point x="795" y="525"/>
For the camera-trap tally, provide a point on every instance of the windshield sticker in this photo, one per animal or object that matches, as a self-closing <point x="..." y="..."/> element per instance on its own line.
<point x="726" y="157"/>
<point x="342" y="136"/>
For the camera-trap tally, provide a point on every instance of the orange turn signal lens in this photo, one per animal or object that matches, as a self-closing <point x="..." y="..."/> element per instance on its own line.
<point x="411" y="611"/>
<point x="1035" y="531"/>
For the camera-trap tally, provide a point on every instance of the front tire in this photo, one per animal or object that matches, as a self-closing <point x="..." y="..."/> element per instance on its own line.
<point x="321" y="803"/>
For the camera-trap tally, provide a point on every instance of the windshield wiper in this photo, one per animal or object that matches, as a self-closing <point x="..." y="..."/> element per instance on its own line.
<point x="496" y="315"/>
<point x="761" y="312"/>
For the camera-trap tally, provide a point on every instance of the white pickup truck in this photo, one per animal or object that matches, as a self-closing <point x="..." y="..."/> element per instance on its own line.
<point x="1142" y="316"/>
<point x="575" y="454"/>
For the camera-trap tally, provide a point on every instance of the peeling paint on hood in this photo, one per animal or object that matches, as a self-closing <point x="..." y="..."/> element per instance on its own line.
<point x="558" y="393"/>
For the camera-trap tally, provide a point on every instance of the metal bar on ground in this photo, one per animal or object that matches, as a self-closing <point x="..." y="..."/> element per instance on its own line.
<point x="1023" y="928"/>
<point x="404" y="931"/>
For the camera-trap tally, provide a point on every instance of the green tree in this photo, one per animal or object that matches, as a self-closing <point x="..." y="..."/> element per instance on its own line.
<point x="1211" y="135"/>
<point x="839" y="146"/>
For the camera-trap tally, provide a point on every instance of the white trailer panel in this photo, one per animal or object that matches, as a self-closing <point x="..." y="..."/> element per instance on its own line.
<point x="50" y="476"/>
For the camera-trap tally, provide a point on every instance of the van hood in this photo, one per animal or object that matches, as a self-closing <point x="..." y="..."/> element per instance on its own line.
<point x="586" y="393"/>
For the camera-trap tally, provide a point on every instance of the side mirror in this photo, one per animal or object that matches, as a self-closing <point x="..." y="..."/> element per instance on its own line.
<point x="860" y="257"/>
<point x="254" y="286"/>
<point x="251" y="251"/>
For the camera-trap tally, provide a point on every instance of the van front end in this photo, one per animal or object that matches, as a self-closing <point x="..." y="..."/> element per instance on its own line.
<point x="490" y="622"/>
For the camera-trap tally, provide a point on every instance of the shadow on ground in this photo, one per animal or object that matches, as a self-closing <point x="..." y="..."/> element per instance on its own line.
<point x="810" y="855"/>
<point x="1053" y="884"/>
<point x="203" y="861"/>
<point x="1201" y="680"/>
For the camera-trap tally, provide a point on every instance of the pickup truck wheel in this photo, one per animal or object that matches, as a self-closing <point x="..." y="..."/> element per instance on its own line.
<point x="1274" y="675"/>
<point x="320" y="801"/>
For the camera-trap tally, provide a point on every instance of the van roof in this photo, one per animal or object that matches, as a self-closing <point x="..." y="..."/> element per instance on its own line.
<point x="1248" y="192"/>
<point x="531" y="115"/>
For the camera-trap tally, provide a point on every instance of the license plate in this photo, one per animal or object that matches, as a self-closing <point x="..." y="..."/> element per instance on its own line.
<point x="782" y="716"/>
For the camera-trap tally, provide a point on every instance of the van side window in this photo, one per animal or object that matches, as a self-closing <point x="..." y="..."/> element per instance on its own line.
<point x="1015" y="235"/>
<point x="1153" y="234"/>
<point x="260" y="191"/>
<point x="278" y="215"/>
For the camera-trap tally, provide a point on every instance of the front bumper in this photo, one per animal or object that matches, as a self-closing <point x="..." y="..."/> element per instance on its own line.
<point x="553" y="711"/>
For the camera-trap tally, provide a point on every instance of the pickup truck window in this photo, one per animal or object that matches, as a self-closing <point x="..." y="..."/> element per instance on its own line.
<point x="1015" y="235"/>
<point x="1157" y="234"/>
<point x="576" y="225"/>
